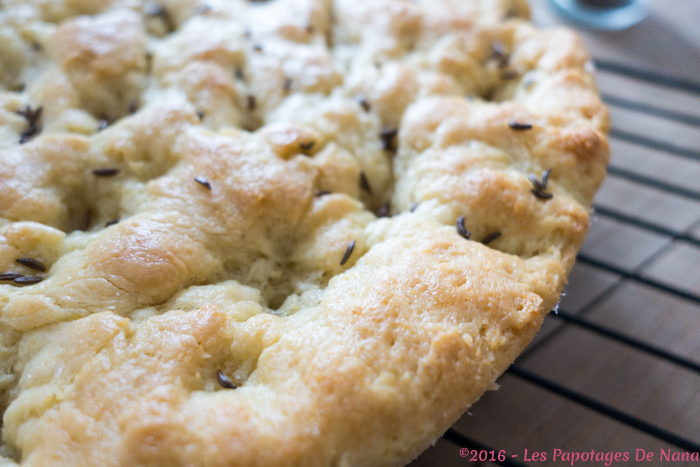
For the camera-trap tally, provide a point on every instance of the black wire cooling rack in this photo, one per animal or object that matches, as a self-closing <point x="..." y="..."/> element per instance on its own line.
<point x="627" y="273"/>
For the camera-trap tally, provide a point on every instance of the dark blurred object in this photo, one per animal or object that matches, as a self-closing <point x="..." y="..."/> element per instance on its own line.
<point x="610" y="15"/>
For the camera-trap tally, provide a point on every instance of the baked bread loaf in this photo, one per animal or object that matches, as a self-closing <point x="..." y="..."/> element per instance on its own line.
<point x="277" y="233"/>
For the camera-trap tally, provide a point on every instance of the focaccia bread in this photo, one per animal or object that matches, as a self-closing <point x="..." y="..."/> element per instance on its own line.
<point x="282" y="232"/>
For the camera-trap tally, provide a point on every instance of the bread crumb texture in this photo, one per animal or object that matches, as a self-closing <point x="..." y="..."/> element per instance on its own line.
<point x="242" y="146"/>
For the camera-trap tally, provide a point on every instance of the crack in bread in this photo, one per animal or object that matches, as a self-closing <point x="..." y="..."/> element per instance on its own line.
<point x="201" y="181"/>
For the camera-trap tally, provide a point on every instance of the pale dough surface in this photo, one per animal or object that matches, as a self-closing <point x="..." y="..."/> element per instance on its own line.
<point x="278" y="108"/>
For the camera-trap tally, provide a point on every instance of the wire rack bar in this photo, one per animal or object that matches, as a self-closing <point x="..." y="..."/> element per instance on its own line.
<point x="645" y="225"/>
<point x="651" y="110"/>
<point x="638" y="278"/>
<point x="459" y="439"/>
<point x="605" y="409"/>
<point x="655" y="144"/>
<point x="654" y="183"/>
<point x="647" y="75"/>
<point x="624" y="339"/>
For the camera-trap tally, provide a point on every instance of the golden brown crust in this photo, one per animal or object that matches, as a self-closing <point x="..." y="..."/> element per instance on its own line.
<point x="244" y="148"/>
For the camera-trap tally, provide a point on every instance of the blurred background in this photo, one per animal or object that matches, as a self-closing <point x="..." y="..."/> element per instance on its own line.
<point x="618" y="369"/>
